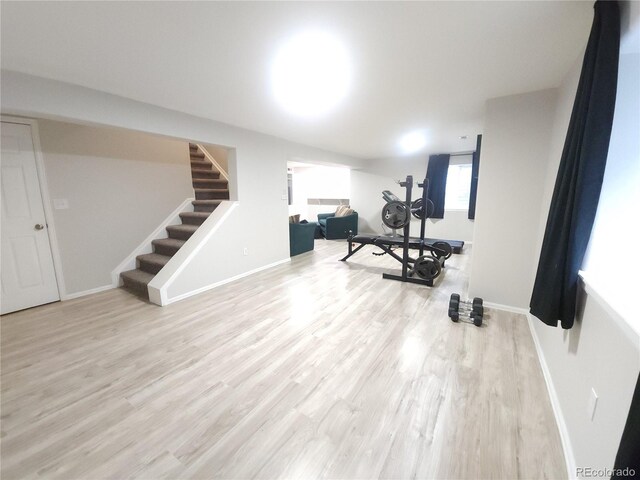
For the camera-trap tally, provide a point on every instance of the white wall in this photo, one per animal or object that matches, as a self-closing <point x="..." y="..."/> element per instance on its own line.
<point x="367" y="184"/>
<point x="317" y="182"/>
<point x="258" y="161"/>
<point x="119" y="186"/>
<point x="221" y="154"/>
<point x="616" y="224"/>
<point x="513" y="169"/>
<point x="602" y="350"/>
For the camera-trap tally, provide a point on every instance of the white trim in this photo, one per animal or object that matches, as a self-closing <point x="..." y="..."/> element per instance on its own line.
<point x="225" y="281"/>
<point x="592" y="290"/>
<point x="129" y="263"/>
<point x="71" y="296"/>
<point x="46" y="199"/>
<point x="506" y="308"/>
<point x="159" y="285"/>
<point x="570" y="461"/>
<point x="213" y="160"/>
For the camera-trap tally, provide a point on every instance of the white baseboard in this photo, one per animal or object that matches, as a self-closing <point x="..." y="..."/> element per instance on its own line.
<point x="555" y="404"/>
<point x="71" y="296"/>
<point x="506" y="308"/>
<point x="225" y="281"/>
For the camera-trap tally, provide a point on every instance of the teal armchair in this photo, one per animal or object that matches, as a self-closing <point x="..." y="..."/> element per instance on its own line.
<point x="338" y="227"/>
<point x="301" y="237"/>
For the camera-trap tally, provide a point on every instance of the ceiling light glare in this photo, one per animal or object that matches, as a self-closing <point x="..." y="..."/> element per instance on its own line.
<point x="413" y="141"/>
<point x="310" y="74"/>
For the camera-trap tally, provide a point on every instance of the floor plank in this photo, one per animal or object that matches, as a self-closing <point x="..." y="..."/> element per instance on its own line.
<point x="313" y="369"/>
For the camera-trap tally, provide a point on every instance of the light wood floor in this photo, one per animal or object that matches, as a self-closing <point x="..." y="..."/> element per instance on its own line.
<point x="316" y="368"/>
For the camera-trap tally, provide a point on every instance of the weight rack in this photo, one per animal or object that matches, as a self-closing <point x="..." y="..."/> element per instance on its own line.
<point x="404" y="277"/>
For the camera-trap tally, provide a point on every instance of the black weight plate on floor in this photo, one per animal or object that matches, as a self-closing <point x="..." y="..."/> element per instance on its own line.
<point x="477" y="301"/>
<point x="455" y="296"/>
<point x="478" y="310"/>
<point x="427" y="268"/>
<point x="395" y="215"/>
<point x="445" y="247"/>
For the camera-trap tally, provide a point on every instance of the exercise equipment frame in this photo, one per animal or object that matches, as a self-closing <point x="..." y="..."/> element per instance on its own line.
<point x="405" y="260"/>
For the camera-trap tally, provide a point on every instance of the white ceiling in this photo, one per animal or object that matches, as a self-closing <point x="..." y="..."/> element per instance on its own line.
<point x="415" y="65"/>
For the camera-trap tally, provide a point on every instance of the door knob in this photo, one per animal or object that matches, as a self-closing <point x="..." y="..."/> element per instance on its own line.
<point x="39" y="226"/>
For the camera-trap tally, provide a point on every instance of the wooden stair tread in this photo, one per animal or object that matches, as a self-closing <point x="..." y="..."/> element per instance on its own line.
<point x="195" y="214"/>
<point x="183" y="228"/>
<point x="154" y="258"/>
<point x="207" y="202"/>
<point x="211" y="181"/>
<point x="207" y="173"/>
<point x="217" y="190"/>
<point x="169" y="242"/>
<point x="137" y="276"/>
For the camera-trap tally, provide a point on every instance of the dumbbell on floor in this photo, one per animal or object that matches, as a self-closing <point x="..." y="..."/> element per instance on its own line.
<point x="473" y="310"/>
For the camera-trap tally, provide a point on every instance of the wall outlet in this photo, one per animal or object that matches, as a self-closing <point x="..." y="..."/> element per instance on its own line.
<point x="245" y="251"/>
<point x="593" y="402"/>
<point x="60" y="203"/>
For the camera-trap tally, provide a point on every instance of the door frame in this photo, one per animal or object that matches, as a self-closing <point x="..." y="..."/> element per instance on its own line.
<point x="46" y="199"/>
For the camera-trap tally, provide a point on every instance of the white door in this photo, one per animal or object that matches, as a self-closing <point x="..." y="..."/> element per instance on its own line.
<point x="28" y="275"/>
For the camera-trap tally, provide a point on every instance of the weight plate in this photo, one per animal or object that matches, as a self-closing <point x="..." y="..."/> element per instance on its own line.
<point x="455" y="317"/>
<point x="455" y="296"/>
<point x="416" y="208"/>
<point x="454" y="304"/>
<point x="430" y="208"/>
<point x="478" y="310"/>
<point x="477" y="301"/>
<point x="427" y="268"/>
<point x="444" y="247"/>
<point x="395" y="215"/>
<point x="418" y="211"/>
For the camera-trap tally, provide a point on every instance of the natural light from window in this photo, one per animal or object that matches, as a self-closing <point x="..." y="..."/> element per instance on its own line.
<point x="311" y="74"/>
<point x="458" y="187"/>
<point x="611" y="265"/>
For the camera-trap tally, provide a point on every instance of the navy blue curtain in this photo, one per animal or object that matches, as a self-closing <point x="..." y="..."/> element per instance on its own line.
<point x="579" y="181"/>
<point x="628" y="456"/>
<point x="437" y="174"/>
<point x="475" y="169"/>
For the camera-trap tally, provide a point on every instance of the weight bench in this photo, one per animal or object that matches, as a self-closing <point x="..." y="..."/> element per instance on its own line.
<point x="387" y="243"/>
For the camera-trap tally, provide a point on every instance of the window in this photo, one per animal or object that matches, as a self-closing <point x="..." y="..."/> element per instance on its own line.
<point x="458" y="187"/>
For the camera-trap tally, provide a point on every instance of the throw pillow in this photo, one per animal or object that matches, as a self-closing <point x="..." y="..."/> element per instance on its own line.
<point x="340" y="210"/>
<point x="294" y="218"/>
<point x="344" y="212"/>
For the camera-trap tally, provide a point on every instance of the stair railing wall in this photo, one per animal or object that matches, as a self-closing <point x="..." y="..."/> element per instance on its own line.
<point x="145" y="246"/>
<point x="209" y="157"/>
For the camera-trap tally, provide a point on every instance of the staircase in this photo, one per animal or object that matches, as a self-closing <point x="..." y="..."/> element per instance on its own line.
<point x="210" y="190"/>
